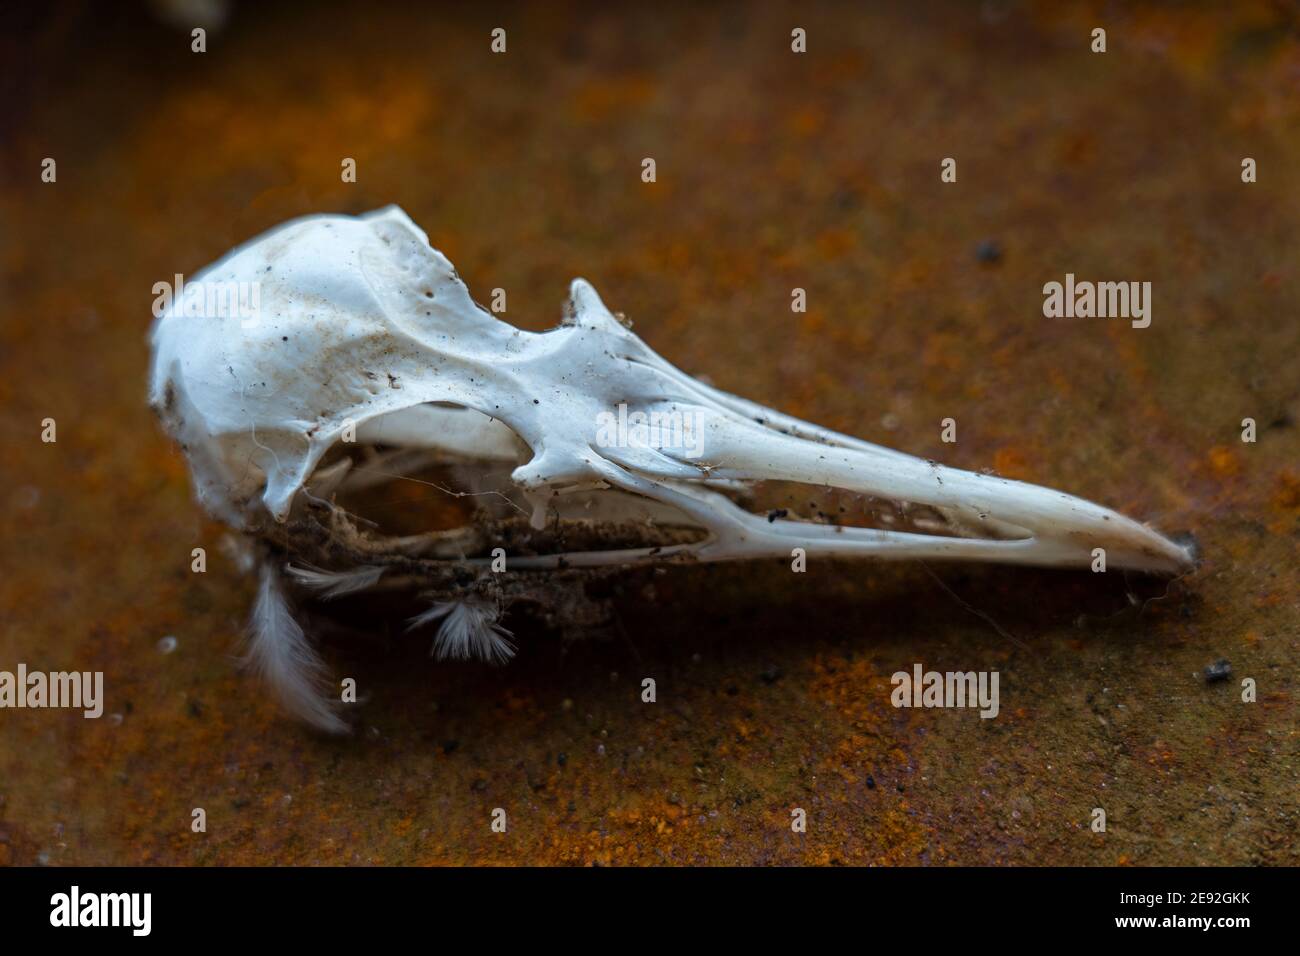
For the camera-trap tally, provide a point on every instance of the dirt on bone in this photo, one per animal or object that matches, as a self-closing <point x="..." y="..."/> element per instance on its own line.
<point x="575" y="604"/>
<point x="456" y="561"/>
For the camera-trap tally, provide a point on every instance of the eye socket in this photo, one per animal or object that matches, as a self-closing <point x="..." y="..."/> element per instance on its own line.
<point x="398" y="495"/>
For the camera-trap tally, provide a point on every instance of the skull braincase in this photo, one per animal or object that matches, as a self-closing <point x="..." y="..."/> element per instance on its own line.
<point x="357" y="318"/>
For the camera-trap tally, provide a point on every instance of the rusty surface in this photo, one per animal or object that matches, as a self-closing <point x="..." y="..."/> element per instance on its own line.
<point x="774" y="171"/>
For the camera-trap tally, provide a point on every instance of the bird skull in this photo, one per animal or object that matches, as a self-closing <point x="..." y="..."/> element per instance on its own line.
<point x="363" y="332"/>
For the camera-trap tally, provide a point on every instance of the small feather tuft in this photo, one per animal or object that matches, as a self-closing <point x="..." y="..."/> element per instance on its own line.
<point x="469" y="629"/>
<point x="332" y="584"/>
<point x="279" y="652"/>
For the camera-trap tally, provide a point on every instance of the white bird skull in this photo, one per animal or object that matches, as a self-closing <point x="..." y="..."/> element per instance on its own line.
<point x="361" y="327"/>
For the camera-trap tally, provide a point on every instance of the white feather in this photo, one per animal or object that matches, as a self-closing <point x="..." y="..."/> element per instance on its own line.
<point x="332" y="584"/>
<point x="469" y="629"/>
<point x="280" y="653"/>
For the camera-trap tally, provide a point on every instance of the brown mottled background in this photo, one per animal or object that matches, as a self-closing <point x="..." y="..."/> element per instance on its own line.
<point x="775" y="170"/>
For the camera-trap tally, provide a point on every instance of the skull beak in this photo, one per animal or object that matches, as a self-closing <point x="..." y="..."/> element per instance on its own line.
<point x="992" y="518"/>
<point x="985" y="518"/>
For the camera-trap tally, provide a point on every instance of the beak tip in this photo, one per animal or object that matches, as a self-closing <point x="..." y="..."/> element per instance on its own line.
<point x="1190" y="546"/>
<point x="1189" y="543"/>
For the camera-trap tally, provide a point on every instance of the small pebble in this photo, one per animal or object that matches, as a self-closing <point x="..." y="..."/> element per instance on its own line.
<point x="1219" y="670"/>
<point x="989" y="251"/>
<point x="167" y="645"/>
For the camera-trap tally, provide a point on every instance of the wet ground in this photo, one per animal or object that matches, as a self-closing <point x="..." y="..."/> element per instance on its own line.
<point x="774" y="171"/>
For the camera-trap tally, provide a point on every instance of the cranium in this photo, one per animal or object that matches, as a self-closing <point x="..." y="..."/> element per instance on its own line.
<point x="365" y="335"/>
